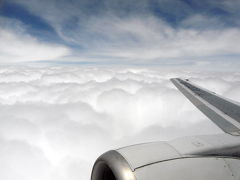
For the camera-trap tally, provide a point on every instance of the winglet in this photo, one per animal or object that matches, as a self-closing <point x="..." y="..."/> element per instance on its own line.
<point x="225" y="114"/>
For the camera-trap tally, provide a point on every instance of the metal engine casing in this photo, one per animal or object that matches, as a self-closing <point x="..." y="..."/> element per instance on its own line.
<point x="199" y="158"/>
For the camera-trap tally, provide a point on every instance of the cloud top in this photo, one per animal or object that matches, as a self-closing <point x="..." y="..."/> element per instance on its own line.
<point x="56" y="120"/>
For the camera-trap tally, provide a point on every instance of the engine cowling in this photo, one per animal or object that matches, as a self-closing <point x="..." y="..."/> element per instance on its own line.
<point x="186" y="158"/>
<point x="112" y="166"/>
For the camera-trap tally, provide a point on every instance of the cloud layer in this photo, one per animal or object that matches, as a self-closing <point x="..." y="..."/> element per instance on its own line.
<point x="56" y="120"/>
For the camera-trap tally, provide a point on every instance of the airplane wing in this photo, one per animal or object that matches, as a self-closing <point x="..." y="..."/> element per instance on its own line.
<point x="224" y="113"/>
<point x="205" y="157"/>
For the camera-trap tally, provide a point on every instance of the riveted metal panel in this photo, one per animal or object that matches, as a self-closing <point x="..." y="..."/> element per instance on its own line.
<point x="234" y="165"/>
<point x="142" y="154"/>
<point x="187" y="169"/>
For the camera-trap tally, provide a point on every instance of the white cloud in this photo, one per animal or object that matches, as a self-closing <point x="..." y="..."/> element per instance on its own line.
<point x="19" y="160"/>
<point x="16" y="45"/>
<point x="147" y="38"/>
<point x="138" y="38"/>
<point x="55" y="121"/>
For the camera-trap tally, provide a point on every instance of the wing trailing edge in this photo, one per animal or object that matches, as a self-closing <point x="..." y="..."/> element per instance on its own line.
<point x="224" y="113"/>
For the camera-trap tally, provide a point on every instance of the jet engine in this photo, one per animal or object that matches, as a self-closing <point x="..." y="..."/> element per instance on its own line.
<point x="186" y="158"/>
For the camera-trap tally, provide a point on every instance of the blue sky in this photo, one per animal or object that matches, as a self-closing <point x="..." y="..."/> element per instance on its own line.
<point x="120" y="31"/>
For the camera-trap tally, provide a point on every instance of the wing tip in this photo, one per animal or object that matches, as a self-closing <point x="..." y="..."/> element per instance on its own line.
<point x="178" y="78"/>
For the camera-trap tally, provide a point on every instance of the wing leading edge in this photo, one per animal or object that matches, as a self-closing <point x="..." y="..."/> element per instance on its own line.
<point x="224" y="113"/>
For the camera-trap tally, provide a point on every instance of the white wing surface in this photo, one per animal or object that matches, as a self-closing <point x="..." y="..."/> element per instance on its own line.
<point x="223" y="112"/>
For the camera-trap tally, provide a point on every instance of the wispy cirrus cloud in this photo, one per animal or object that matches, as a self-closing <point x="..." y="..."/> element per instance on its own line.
<point x="149" y="38"/>
<point x="142" y="31"/>
<point x="16" y="45"/>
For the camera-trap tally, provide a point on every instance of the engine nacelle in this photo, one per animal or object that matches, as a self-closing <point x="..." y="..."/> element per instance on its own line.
<point x="112" y="166"/>
<point x="186" y="158"/>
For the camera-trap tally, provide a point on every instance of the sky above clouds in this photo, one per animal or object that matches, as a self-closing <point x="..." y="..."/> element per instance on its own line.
<point x="120" y="31"/>
<point x="81" y="77"/>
